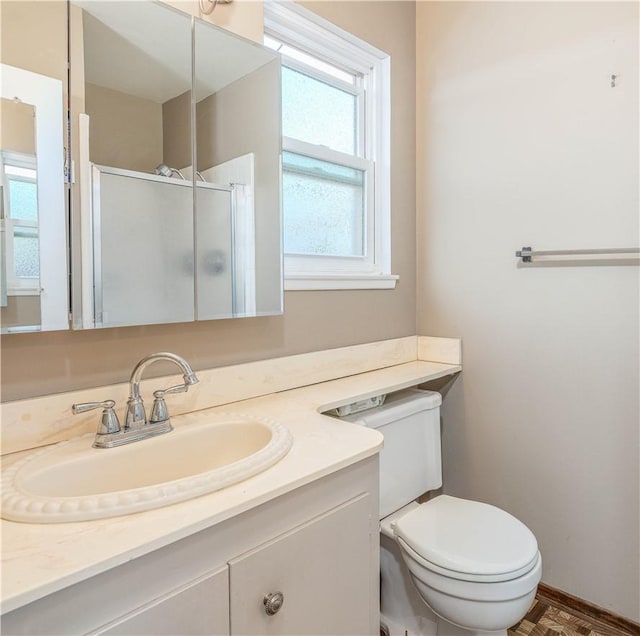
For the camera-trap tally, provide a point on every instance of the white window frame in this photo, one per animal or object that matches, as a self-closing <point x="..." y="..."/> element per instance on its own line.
<point x="304" y="30"/>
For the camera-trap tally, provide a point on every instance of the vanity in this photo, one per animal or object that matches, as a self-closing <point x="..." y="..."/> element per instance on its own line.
<point x="291" y="550"/>
<point x="314" y="547"/>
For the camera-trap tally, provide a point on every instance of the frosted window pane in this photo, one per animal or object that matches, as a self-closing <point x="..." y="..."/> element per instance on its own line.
<point x="23" y="200"/>
<point x="26" y="256"/>
<point x="323" y="207"/>
<point x="317" y="113"/>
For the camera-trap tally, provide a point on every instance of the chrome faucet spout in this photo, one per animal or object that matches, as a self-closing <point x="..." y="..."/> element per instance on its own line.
<point x="189" y="376"/>
<point x="136" y="415"/>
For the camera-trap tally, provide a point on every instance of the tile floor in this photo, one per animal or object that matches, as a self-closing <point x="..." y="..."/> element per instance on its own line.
<point x="545" y="619"/>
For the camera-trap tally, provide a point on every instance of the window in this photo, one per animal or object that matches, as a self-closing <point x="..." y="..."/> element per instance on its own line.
<point x="20" y="222"/>
<point x="335" y="159"/>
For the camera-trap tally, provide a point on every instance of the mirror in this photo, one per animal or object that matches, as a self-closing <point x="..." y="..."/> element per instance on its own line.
<point x="159" y="241"/>
<point x="33" y="223"/>
<point x="136" y="217"/>
<point x="237" y="106"/>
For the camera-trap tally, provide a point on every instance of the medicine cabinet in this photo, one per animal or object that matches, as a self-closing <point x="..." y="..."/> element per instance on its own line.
<point x="178" y="214"/>
<point x="170" y="207"/>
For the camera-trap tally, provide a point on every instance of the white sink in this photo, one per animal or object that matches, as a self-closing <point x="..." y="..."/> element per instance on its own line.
<point x="72" y="481"/>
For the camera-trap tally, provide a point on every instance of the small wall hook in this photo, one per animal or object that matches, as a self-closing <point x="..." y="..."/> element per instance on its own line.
<point x="613" y="80"/>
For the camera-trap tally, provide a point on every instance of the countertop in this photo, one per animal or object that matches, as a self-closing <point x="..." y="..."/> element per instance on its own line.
<point x="39" y="559"/>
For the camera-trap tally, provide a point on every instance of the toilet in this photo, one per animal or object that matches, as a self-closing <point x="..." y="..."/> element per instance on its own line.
<point x="449" y="566"/>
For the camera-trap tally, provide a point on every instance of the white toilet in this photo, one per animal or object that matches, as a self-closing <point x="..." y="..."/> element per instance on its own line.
<point x="474" y="565"/>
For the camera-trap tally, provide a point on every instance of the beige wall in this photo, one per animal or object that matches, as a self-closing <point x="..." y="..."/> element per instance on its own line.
<point x="125" y="131"/>
<point x="17" y="127"/>
<point x="176" y="131"/>
<point x="35" y="364"/>
<point x="522" y="141"/>
<point x="20" y="311"/>
<point x="33" y="36"/>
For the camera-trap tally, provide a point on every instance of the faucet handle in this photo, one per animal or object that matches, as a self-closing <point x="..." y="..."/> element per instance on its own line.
<point x="159" y="411"/>
<point x="108" y="421"/>
<point x="180" y="388"/>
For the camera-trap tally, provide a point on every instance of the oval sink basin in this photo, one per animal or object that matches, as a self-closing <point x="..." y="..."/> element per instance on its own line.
<point x="72" y="481"/>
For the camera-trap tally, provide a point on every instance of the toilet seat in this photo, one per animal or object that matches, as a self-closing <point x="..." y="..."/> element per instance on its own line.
<point x="465" y="576"/>
<point x="467" y="540"/>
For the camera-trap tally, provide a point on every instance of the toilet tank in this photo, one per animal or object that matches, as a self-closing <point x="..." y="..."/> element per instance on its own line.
<point x="410" y="461"/>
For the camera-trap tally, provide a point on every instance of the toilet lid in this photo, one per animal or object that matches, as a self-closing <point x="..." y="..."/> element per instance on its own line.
<point x="467" y="536"/>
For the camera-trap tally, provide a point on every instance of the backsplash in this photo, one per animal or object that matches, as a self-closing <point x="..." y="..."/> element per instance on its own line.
<point x="48" y="419"/>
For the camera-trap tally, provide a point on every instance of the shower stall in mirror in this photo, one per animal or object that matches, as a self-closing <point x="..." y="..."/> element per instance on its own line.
<point x="178" y="211"/>
<point x="136" y="214"/>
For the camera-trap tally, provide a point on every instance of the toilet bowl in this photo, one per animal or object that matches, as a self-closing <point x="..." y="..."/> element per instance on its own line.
<point x="475" y="567"/>
<point x="477" y="607"/>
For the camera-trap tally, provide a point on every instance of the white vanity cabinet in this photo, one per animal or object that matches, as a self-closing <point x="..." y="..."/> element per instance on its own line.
<point x="316" y="545"/>
<point x="200" y="607"/>
<point x="321" y="569"/>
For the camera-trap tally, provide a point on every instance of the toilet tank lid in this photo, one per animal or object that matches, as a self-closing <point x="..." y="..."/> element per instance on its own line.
<point x="467" y="536"/>
<point x="397" y="406"/>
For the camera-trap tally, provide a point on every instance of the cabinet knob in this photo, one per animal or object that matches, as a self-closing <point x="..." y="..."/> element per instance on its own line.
<point x="273" y="602"/>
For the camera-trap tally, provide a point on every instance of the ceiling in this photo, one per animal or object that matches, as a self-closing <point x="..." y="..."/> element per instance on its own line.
<point x="143" y="48"/>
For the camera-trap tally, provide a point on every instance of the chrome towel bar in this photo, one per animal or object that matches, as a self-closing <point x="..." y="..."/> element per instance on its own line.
<point x="528" y="253"/>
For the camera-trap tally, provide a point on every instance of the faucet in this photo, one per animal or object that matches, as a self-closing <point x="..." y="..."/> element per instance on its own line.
<point x="136" y="426"/>
<point x="136" y="416"/>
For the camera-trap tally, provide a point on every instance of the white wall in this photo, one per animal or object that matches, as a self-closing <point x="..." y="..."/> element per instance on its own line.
<point x="522" y="141"/>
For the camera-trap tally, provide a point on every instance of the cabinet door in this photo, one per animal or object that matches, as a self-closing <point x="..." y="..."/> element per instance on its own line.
<point x="200" y="607"/>
<point x="322" y="568"/>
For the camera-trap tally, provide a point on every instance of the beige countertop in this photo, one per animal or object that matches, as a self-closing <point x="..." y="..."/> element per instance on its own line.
<point x="39" y="559"/>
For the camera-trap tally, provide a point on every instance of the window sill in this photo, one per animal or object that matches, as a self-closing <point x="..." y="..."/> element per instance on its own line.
<point x="311" y="282"/>
<point x="24" y="291"/>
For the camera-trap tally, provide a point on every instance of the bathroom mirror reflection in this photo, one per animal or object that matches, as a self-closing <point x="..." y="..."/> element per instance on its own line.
<point x="33" y="247"/>
<point x="136" y="212"/>
<point x="237" y="146"/>
<point x="161" y="241"/>
<point x="20" y="243"/>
